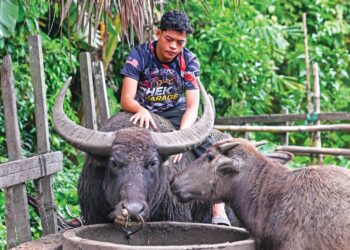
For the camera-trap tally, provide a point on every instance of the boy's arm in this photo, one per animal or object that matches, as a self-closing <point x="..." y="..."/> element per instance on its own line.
<point x="128" y="103"/>
<point x="192" y="104"/>
<point x="190" y="115"/>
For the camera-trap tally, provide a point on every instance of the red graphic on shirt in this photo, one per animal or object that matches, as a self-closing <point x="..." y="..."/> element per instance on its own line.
<point x="190" y="77"/>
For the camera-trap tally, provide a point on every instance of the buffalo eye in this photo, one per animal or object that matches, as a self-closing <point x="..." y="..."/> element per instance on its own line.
<point x="210" y="156"/>
<point x="152" y="164"/>
<point x="225" y="169"/>
<point x="114" y="163"/>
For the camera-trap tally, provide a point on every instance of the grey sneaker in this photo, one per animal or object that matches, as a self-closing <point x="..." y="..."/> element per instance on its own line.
<point x="219" y="220"/>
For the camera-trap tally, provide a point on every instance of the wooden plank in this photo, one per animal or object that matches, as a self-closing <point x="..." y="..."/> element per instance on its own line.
<point x="280" y="118"/>
<point x="284" y="129"/>
<point x="44" y="186"/>
<point x="23" y="170"/>
<point x="311" y="150"/>
<point x="30" y="174"/>
<point x="17" y="216"/>
<point x="17" y="166"/>
<point x="101" y="92"/>
<point x="87" y="90"/>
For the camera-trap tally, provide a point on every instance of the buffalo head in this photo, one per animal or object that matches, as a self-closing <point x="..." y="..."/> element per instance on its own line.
<point x="124" y="176"/>
<point x="220" y="169"/>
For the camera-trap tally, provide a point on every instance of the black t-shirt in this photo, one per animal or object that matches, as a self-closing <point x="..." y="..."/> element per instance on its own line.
<point x="161" y="86"/>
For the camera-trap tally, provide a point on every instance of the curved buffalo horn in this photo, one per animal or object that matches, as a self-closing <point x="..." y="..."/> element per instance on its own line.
<point x="87" y="140"/>
<point x="227" y="144"/>
<point x="99" y="143"/>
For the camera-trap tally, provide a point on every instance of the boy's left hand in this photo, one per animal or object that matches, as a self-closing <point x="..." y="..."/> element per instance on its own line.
<point x="177" y="158"/>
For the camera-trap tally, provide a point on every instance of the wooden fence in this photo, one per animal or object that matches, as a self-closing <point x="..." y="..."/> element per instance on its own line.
<point x="18" y="170"/>
<point x="239" y="124"/>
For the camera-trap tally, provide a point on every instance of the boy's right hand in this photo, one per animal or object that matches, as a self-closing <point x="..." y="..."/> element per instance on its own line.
<point x="145" y="118"/>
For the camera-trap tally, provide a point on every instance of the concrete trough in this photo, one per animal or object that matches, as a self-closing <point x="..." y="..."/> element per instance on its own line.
<point x="158" y="236"/>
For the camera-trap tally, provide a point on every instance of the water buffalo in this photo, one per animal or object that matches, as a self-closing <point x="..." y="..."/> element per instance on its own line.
<point x="124" y="175"/>
<point x="300" y="209"/>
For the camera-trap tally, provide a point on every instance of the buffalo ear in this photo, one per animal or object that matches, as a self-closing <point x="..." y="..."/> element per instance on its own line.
<point x="229" y="167"/>
<point x="281" y="157"/>
<point x="166" y="168"/>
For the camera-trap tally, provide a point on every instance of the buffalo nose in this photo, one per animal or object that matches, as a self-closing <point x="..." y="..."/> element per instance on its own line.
<point x="134" y="208"/>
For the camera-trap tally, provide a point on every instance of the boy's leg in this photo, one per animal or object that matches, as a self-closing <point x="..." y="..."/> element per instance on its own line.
<point x="173" y="115"/>
<point x="198" y="151"/>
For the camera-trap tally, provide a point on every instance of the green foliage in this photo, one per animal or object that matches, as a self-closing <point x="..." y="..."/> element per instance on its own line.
<point x="2" y="221"/>
<point x="240" y="52"/>
<point x="252" y="59"/>
<point x="8" y="17"/>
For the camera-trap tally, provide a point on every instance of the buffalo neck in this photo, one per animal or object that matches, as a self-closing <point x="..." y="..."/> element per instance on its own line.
<point x="255" y="192"/>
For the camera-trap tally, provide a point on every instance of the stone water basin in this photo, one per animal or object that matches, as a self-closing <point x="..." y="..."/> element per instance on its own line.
<point x="158" y="236"/>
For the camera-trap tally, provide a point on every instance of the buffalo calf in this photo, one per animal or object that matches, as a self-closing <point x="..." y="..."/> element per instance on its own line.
<point x="307" y="208"/>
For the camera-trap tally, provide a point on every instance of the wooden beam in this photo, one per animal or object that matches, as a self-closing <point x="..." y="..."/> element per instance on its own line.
<point x="17" y="215"/>
<point x="101" y="92"/>
<point x="280" y="118"/>
<point x="87" y="90"/>
<point x="19" y="171"/>
<point x="311" y="150"/>
<point x="44" y="186"/>
<point x="284" y="129"/>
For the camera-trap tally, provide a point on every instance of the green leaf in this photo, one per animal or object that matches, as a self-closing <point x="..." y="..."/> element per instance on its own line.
<point x="8" y="17"/>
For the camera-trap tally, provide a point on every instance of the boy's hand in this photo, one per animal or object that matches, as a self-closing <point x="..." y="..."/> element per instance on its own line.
<point x="145" y="118"/>
<point x="177" y="158"/>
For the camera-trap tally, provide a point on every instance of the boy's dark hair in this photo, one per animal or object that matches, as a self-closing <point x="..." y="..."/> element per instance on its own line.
<point x="176" y="20"/>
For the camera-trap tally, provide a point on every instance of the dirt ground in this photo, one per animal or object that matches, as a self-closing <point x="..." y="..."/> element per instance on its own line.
<point x="49" y="242"/>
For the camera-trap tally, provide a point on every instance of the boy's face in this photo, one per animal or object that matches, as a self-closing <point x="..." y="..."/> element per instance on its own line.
<point x="170" y="43"/>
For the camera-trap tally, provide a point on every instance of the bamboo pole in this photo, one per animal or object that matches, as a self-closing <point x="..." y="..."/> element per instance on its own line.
<point x="317" y="109"/>
<point x="284" y="129"/>
<point x="312" y="150"/>
<point x="285" y="138"/>
<point x="307" y="66"/>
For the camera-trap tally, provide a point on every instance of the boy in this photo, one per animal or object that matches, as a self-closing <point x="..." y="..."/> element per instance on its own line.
<point x="160" y="76"/>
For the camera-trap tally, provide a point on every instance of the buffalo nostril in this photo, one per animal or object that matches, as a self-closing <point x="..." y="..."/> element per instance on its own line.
<point x="134" y="209"/>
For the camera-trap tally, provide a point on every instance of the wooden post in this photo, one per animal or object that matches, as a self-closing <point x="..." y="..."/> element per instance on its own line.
<point x="101" y="92"/>
<point x="285" y="138"/>
<point x="246" y="133"/>
<point x="307" y="65"/>
<point x="17" y="216"/>
<point x="87" y="90"/>
<point x="44" y="186"/>
<point x="317" y="109"/>
<point x="307" y="68"/>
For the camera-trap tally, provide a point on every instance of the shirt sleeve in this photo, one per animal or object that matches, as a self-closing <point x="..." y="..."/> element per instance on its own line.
<point x="192" y="71"/>
<point x="133" y="65"/>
